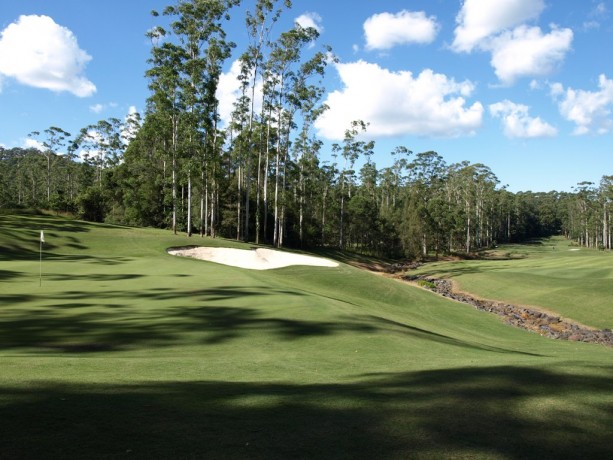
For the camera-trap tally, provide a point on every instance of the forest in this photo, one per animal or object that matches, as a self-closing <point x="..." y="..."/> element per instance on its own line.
<point x="266" y="177"/>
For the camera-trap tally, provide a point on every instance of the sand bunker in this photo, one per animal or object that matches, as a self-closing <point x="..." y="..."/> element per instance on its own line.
<point x="255" y="259"/>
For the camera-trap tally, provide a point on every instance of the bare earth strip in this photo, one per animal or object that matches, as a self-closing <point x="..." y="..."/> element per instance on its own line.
<point x="255" y="259"/>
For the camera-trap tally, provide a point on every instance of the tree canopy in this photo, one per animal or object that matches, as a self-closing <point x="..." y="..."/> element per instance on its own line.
<point x="266" y="177"/>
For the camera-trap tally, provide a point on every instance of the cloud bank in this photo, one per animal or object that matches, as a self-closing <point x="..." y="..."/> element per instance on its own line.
<point x="479" y="20"/>
<point x="399" y="103"/>
<point x="517" y="49"/>
<point x="590" y="111"/>
<point x="37" y="52"/>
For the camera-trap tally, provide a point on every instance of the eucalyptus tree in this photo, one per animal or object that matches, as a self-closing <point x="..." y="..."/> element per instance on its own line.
<point x="350" y="150"/>
<point x="197" y="60"/>
<point x="470" y="190"/>
<point x="259" y="24"/>
<point x="217" y="52"/>
<point x="53" y="141"/>
<point x="398" y="172"/>
<point x="286" y="52"/>
<point x="585" y="214"/>
<point x="306" y="97"/>
<point x="183" y="77"/>
<point x="22" y="176"/>
<point x="326" y="179"/>
<point x="485" y="182"/>
<point x="166" y="103"/>
<point x="363" y="221"/>
<point x="102" y="144"/>
<point x="606" y="202"/>
<point x="142" y="175"/>
<point x="238" y="139"/>
<point x="426" y="177"/>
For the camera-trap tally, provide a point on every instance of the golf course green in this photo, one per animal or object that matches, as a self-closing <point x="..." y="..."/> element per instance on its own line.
<point x="112" y="348"/>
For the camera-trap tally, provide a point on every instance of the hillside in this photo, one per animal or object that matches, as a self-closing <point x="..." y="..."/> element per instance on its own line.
<point x="125" y="350"/>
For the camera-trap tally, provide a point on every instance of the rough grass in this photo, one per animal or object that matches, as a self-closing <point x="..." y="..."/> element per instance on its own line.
<point x="126" y="351"/>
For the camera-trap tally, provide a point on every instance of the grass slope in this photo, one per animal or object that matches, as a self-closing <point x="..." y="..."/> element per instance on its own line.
<point x="126" y="351"/>
<point x="552" y="274"/>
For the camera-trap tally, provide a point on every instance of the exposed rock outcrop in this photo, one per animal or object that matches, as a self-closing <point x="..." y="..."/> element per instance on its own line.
<point x="533" y="320"/>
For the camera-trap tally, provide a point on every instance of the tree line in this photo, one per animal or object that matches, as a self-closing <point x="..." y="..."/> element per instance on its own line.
<point x="262" y="177"/>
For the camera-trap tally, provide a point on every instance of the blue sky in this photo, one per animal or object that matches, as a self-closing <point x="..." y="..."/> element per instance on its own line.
<point x="522" y="86"/>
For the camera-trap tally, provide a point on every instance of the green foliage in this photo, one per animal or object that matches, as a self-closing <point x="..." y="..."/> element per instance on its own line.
<point x="426" y="284"/>
<point x="91" y="205"/>
<point x="266" y="176"/>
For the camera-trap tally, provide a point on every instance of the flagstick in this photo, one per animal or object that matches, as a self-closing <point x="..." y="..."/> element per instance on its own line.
<point x="41" y="241"/>
<point x="40" y="279"/>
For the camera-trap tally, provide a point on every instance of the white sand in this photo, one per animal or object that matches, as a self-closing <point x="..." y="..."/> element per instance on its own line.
<point x="256" y="259"/>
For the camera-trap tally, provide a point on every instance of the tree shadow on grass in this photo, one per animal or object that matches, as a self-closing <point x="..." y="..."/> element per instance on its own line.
<point x="6" y="275"/>
<point x="21" y="235"/>
<point x="440" y="338"/>
<point x="77" y="322"/>
<point x="493" y="412"/>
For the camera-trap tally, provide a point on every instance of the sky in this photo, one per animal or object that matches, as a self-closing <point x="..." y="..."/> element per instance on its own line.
<point x="522" y="86"/>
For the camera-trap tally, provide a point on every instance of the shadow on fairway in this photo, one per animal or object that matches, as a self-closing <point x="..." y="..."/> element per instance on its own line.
<point x="22" y="234"/>
<point x="459" y="413"/>
<point x="77" y="322"/>
<point x="6" y="275"/>
<point x="439" y="338"/>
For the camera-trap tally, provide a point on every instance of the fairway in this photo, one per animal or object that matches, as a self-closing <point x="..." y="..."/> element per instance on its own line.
<point x="125" y="351"/>
<point x="552" y="274"/>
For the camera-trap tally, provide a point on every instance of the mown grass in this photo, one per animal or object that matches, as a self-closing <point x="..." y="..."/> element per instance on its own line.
<point x="553" y="274"/>
<point x="125" y="351"/>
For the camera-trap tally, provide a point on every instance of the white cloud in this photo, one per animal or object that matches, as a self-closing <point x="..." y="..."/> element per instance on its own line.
<point x="98" y="108"/>
<point x="229" y="91"/>
<point x="398" y="103"/>
<point x="517" y="50"/>
<point x="310" y="20"/>
<point x="598" y="14"/>
<point x="385" y="30"/>
<point x="40" y="53"/>
<point x="525" y="51"/>
<point x="600" y="9"/>
<point x="480" y="19"/>
<point x="589" y="110"/>
<point x="131" y="124"/>
<point x="556" y="89"/>
<point x="518" y="123"/>
<point x="30" y="143"/>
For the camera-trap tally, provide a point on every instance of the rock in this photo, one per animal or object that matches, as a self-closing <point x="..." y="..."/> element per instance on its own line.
<point x="525" y="318"/>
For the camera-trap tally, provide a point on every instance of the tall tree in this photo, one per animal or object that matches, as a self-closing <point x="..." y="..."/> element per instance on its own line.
<point x="285" y="54"/>
<point x="102" y="144"/>
<point x="350" y="150"/>
<point x="53" y="141"/>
